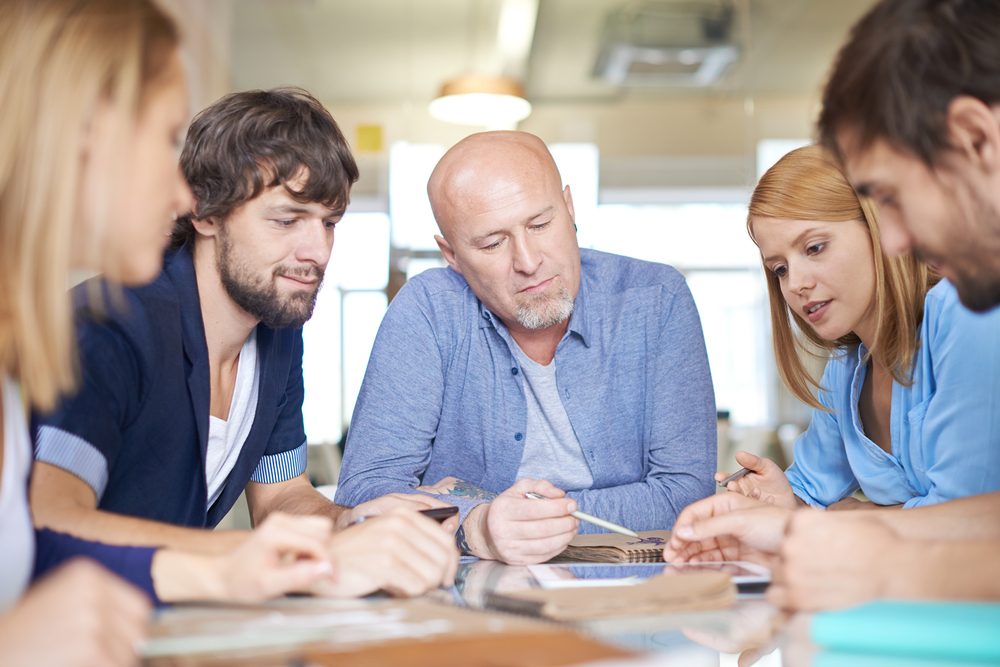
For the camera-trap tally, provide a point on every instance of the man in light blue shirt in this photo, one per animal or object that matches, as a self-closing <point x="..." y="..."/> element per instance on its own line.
<point x="530" y="365"/>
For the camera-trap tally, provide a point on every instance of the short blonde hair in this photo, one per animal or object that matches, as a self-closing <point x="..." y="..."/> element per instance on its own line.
<point x="60" y="60"/>
<point x="807" y="184"/>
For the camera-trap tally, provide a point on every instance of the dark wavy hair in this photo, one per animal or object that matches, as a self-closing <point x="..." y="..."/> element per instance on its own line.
<point x="904" y="63"/>
<point x="249" y="141"/>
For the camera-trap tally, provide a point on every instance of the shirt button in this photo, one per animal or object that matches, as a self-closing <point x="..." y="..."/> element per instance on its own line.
<point x="518" y="437"/>
<point x="486" y="316"/>
<point x="513" y="371"/>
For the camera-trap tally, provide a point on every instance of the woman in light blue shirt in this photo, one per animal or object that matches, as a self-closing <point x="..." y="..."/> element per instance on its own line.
<point x="908" y="408"/>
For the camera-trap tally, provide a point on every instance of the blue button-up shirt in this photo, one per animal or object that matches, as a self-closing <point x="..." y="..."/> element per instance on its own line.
<point x="944" y="427"/>
<point x="442" y="395"/>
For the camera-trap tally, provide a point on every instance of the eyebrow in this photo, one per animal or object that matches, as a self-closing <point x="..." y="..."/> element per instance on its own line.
<point x="798" y="239"/>
<point x="477" y="240"/>
<point x="280" y="209"/>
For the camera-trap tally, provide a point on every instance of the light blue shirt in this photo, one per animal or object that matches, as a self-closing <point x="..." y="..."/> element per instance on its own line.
<point x="443" y="394"/>
<point x="945" y="427"/>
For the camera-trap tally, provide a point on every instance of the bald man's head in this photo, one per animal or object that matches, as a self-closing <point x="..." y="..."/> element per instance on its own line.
<point x="508" y="228"/>
<point x="483" y="165"/>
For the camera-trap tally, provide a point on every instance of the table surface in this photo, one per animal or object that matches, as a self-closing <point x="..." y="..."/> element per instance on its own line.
<point x="282" y="632"/>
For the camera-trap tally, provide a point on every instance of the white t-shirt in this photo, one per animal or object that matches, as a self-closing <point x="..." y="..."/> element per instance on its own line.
<point x="226" y="437"/>
<point x="17" y="536"/>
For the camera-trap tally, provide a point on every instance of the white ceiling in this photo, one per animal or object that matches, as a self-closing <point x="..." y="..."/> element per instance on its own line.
<point x="394" y="51"/>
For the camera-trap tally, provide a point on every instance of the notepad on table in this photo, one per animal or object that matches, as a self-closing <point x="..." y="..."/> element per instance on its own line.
<point x="615" y="548"/>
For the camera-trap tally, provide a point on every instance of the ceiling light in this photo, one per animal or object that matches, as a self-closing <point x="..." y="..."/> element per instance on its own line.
<point x="494" y="102"/>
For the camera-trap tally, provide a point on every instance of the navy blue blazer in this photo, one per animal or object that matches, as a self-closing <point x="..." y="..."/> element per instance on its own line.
<point x="137" y="429"/>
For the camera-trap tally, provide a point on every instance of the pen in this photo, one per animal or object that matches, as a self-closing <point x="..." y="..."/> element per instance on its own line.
<point x="742" y="472"/>
<point x="589" y="518"/>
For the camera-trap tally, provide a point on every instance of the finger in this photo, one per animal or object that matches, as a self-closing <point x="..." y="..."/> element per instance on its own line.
<point x="757" y="464"/>
<point x="527" y="552"/>
<point x="539" y="486"/>
<point x="538" y="529"/>
<point x="712" y="527"/>
<point x="777" y="595"/>
<point x="435" y="546"/>
<point x="420" y="501"/>
<point x="126" y="622"/>
<point x="516" y="509"/>
<point x="415" y="569"/>
<point x="295" y="578"/>
<point x="297" y="541"/>
<point x="313" y="526"/>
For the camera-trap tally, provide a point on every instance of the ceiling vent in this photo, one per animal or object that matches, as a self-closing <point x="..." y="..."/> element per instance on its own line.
<point x="664" y="43"/>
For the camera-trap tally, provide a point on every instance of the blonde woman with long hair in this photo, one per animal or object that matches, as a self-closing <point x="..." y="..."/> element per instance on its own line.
<point x="906" y="408"/>
<point x="93" y="101"/>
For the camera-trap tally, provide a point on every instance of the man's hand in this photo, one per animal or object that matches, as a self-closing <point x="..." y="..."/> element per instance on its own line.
<point x="519" y="530"/>
<point x="828" y="562"/>
<point x="400" y="552"/>
<point x="287" y="554"/>
<point x="81" y="615"/>
<point x="389" y="502"/>
<point x="727" y="526"/>
<point x="766" y="481"/>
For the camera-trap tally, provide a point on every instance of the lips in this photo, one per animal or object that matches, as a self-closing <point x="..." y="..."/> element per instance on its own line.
<point x="538" y="287"/>
<point x="301" y="280"/>
<point x="814" y="310"/>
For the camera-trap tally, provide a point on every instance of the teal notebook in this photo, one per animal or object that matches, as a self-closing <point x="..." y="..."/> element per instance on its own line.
<point x="928" y="630"/>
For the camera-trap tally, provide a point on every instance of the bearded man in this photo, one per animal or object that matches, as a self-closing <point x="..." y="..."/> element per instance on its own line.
<point x="191" y="386"/>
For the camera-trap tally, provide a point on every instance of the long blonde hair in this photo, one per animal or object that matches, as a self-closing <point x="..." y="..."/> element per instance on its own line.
<point x="61" y="60"/>
<point x="806" y="184"/>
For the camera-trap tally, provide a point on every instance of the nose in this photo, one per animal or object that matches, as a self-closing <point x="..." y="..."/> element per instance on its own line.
<point x="800" y="277"/>
<point x="526" y="257"/>
<point x="315" y="243"/>
<point x="895" y="237"/>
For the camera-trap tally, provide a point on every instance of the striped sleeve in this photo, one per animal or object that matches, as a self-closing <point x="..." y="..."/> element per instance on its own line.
<point x="274" y="468"/>
<point x="74" y="455"/>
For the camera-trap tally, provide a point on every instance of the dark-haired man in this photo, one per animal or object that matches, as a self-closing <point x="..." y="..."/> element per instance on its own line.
<point x="192" y="387"/>
<point x="912" y="108"/>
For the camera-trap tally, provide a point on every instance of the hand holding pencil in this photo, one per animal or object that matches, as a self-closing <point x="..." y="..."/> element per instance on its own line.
<point x="760" y="479"/>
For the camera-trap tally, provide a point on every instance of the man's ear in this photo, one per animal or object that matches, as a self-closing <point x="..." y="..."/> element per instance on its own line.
<point x="446" y="251"/>
<point x="974" y="130"/>
<point x="205" y="226"/>
<point x="568" y="198"/>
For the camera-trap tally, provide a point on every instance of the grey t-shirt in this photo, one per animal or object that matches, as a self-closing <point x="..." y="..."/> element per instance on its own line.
<point x="551" y="448"/>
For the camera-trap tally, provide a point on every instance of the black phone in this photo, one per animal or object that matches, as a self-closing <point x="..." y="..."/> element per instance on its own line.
<point x="440" y="514"/>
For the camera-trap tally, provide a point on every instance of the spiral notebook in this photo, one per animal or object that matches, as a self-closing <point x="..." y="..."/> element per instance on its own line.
<point x="615" y="548"/>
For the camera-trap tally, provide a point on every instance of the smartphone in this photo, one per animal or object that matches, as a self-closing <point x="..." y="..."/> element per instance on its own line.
<point x="440" y="514"/>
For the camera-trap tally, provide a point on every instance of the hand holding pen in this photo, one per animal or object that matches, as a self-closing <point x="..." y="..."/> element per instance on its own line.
<point x="761" y="479"/>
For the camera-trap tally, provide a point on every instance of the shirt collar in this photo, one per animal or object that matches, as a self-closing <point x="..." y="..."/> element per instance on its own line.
<point x="580" y="322"/>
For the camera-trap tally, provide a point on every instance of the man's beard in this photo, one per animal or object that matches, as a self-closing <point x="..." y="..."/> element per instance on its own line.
<point x="543" y="311"/>
<point x="261" y="298"/>
<point x="973" y="261"/>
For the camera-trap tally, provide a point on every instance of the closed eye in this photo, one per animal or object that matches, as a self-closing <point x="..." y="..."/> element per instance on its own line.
<point x="493" y="246"/>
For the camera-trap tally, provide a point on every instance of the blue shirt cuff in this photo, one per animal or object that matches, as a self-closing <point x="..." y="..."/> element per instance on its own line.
<point x="280" y="467"/>
<point x="73" y="454"/>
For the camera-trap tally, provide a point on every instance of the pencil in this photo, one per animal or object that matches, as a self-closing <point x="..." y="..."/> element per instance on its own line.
<point x="590" y="518"/>
<point x="742" y="472"/>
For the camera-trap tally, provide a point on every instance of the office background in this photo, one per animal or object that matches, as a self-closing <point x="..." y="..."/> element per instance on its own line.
<point x="661" y="114"/>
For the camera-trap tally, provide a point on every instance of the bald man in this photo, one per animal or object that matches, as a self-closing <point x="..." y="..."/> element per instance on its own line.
<point x="529" y="365"/>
